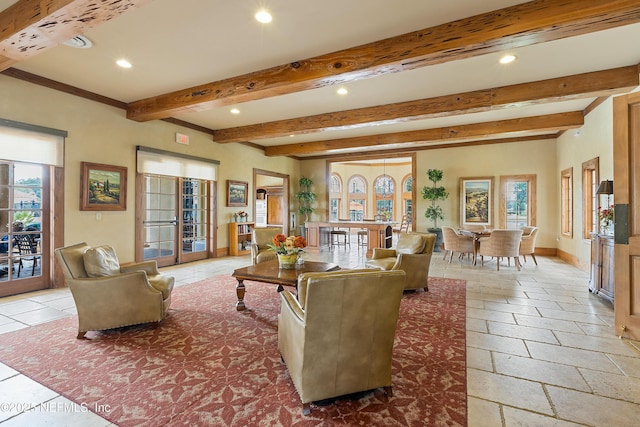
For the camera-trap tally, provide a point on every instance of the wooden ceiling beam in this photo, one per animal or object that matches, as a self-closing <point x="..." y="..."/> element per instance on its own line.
<point x="30" y="26"/>
<point x="594" y="84"/>
<point x="398" y="152"/>
<point x="520" y="25"/>
<point x="546" y="123"/>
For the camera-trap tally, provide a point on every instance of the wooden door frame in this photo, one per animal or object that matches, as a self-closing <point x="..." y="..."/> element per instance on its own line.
<point x="285" y="195"/>
<point x="626" y="140"/>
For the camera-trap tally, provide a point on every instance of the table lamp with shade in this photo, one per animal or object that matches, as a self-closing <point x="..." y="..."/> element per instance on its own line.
<point x="606" y="187"/>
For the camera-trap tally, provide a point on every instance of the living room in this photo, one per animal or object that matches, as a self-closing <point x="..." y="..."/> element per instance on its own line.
<point x="101" y="133"/>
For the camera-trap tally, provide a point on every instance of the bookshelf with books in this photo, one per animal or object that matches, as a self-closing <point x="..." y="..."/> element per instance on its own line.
<point x="240" y="237"/>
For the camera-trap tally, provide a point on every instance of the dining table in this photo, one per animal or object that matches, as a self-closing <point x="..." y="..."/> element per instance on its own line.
<point x="476" y="235"/>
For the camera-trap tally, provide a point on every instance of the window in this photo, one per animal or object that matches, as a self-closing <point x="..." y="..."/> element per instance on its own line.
<point x="407" y="194"/>
<point x="566" y="190"/>
<point x="384" y="191"/>
<point x="517" y="201"/>
<point x="335" y="202"/>
<point x="357" y="197"/>
<point x="590" y="181"/>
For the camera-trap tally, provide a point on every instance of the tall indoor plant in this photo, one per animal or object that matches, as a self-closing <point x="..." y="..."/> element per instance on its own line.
<point x="435" y="193"/>
<point x="306" y="198"/>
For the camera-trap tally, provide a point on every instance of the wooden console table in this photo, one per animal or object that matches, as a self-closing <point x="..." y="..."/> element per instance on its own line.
<point x="602" y="266"/>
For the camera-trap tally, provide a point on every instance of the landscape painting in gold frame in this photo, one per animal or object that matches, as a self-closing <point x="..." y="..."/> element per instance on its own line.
<point x="237" y="193"/>
<point x="103" y="187"/>
<point x="476" y="201"/>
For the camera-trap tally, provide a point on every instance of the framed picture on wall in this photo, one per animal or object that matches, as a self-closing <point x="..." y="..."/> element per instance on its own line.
<point x="103" y="187"/>
<point x="237" y="193"/>
<point x="476" y="201"/>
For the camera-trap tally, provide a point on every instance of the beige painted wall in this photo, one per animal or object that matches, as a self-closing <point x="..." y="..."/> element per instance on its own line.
<point x="594" y="140"/>
<point x="102" y="134"/>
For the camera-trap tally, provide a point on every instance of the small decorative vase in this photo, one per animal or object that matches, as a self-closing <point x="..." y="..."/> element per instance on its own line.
<point x="287" y="261"/>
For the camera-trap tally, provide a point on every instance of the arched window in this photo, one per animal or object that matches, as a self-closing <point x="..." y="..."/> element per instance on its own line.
<point x="335" y="196"/>
<point x="407" y="194"/>
<point x="384" y="187"/>
<point x="357" y="188"/>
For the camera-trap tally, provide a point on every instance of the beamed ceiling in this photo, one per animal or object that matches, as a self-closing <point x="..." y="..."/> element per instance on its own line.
<point x="420" y="74"/>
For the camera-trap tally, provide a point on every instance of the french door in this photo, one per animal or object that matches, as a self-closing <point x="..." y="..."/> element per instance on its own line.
<point x="175" y="220"/>
<point x="24" y="227"/>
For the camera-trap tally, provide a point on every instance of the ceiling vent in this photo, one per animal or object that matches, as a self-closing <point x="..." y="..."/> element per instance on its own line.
<point x="79" y="42"/>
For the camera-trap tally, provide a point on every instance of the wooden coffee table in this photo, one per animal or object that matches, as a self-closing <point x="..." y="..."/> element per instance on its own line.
<point x="270" y="272"/>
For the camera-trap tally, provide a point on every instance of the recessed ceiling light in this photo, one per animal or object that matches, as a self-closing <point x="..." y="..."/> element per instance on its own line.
<point x="235" y="111"/>
<point x="263" y="16"/>
<point x="507" y="59"/>
<point x="342" y="91"/>
<point x="123" y="63"/>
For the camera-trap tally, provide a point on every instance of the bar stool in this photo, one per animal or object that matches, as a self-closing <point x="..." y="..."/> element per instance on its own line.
<point x="363" y="237"/>
<point x="337" y="232"/>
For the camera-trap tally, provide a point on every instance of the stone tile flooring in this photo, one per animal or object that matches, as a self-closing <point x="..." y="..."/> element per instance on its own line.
<point x="541" y="349"/>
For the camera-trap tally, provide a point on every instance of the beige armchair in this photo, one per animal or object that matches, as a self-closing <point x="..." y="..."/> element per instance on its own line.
<point x="260" y="252"/>
<point x="108" y="295"/>
<point x="336" y="337"/>
<point x="501" y="243"/>
<point x="528" y="243"/>
<point x="454" y="242"/>
<point x="412" y="255"/>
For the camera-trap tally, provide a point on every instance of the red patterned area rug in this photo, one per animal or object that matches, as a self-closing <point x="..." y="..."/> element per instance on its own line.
<point x="209" y="365"/>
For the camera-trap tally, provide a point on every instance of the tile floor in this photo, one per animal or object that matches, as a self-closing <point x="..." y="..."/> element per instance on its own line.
<point x="540" y="348"/>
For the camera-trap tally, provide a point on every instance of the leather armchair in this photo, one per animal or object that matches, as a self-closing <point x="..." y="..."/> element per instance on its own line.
<point x="412" y="255"/>
<point x="336" y="337"/>
<point x="501" y="243"/>
<point x="528" y="243"/>
<point x="260" y="252"/>
<point x="108" y="295"/>
<point x="454" y="242"/>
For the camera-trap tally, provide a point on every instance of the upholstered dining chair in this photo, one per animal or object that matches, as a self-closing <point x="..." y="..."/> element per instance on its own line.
<point x="260" y="252"/>
<point x="108" y="295"/>
<point x="454" y="242"/>
<point x="501" y="244"/>
<point x="412" y="255"/>
<point x="336" y="337"/>
<point x="528" y="243"/>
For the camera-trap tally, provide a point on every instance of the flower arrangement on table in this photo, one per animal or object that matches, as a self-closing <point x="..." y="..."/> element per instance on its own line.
<point x="605" y="216"/>
<point x="287" y="248"/>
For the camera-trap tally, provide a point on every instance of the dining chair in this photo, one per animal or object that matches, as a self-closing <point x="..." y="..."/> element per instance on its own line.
<point x="455" y="242"/>
<point x="501" y="244"/>
<point x="528" y="243"/>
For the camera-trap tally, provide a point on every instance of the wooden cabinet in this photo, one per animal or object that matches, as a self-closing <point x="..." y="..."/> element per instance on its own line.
<point x="602" y="266"/>
<point x="240" y="237"/>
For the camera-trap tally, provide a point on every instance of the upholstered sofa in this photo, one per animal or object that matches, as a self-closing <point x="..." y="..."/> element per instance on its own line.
<point x="336" y="337"/>
<point x="108" y="295"/>
<point x="412" y="255"/>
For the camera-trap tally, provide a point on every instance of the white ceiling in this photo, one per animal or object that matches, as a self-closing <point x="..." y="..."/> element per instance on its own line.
<point x="178" y="44"/>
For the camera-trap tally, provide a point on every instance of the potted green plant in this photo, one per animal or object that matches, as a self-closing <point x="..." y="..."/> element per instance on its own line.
<point x="435" y="193"/>
<point x="306" y="198"/>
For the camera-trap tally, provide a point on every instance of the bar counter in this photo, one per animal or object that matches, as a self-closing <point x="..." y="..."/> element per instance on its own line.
<point x="379" y="233"/>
